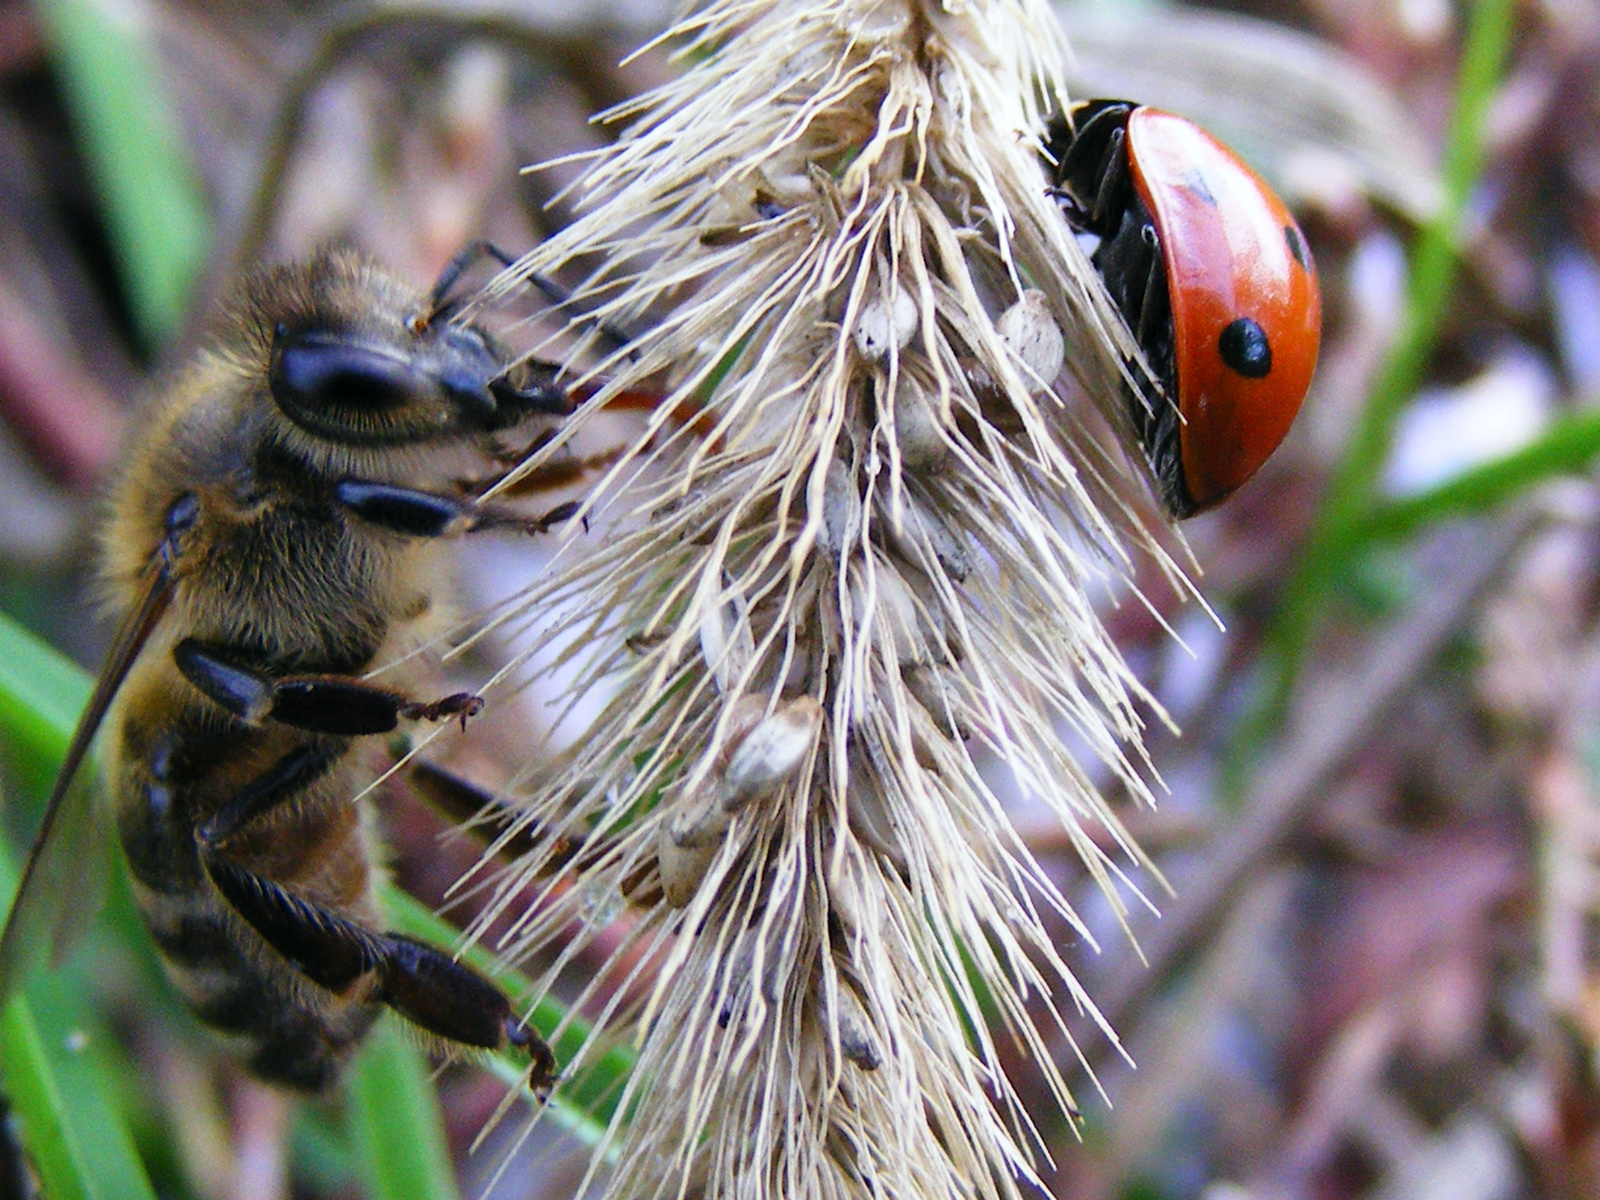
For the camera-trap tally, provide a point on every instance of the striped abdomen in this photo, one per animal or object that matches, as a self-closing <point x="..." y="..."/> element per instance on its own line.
<point x="177" y="770"/>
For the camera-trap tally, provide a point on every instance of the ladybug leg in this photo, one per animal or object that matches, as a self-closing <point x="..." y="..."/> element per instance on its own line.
<point x="1145" y="305"/>
<point x="1130" y="263"/>
<point x="1113" y="183"/>
<point x="1154" y="307"/>
<point x="1134" y="271"/>
<point x="1091" y="166"/>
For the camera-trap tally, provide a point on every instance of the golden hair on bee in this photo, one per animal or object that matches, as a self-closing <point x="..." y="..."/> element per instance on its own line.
<point x="271" y="539"/>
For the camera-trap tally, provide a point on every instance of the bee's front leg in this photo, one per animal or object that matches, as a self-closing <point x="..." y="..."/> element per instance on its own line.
<point x="337" y="705"/>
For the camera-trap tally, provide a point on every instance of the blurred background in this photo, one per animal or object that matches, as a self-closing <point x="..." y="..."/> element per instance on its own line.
<point x="1377" y="973"/>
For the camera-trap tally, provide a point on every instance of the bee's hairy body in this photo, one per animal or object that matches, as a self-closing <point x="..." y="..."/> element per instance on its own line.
<point x="281" y="518"/>
<point x="292" y="588"/>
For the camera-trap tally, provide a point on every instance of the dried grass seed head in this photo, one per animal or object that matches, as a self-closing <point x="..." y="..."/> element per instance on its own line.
<point x="855" y="558"/>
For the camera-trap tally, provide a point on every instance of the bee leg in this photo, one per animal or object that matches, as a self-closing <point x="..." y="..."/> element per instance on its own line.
<point x="457" y="267"/>
<point x="508" y="832"/>
<point x="429" y="514"/>
<point x="283" y="782"/>
<point x="548" y="477"/>
<point x="326" y="948"/>
<point x="534" y="387"/>
<point x="422" y="984"/>
<point x="337" y="705"/>
<point x="430" y="989"/>
<point x="480" y="811"/>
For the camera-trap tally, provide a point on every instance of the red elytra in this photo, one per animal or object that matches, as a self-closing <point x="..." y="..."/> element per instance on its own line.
<point x="1231" y="251"/>
<point x="1234" y="340"/>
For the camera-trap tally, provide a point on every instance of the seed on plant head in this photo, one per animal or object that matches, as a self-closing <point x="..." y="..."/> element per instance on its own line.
<point x="854" y="1027"/>
<point x="896" y="623"/>
<point x="930" y="739"/>
<point x="1031" y="333"/>
<point x="736" y="979"/>
<point x="739" y="982"/>
<point x="771" y="752"/>
<point x="930" y="688"/>
<point x="885" y="322"/>
<point x="870" y="819"/>
<point x="845" y="896"/>
<point x="921" y="429"/>
<point x="682" y="867"/>
<point x="698" y="819"/>
<point x="939" y="641"/>
<point x="855" y="1161"/>
<point x="841" y="512"/>
<point x="920" y="531"/>
<point x="726" y="641"/>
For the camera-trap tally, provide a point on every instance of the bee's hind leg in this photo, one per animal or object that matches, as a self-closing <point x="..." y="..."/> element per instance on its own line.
<point x="430" y="989"/>
<point x="482" y="812"/>
<point x="421" y="983"/>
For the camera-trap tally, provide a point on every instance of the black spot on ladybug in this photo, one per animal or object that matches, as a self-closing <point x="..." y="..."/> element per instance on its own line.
<point x="1297" y="246"/>
<point x="1195" y="182"/>
<point x="1245" y="349"/>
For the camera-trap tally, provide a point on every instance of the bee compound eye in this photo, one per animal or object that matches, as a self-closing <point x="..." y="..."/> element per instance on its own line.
<point x="319" y="371"/>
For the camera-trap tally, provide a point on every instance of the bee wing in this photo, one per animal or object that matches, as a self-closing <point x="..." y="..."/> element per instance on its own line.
<point x="63" y="882"/>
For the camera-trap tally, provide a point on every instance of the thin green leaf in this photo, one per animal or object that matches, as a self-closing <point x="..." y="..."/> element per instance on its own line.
<point x="41" y="693"/>
<point x="1434" y="263"/>
<point x="128" y="128"/>
<point x="398" y="1128"/>
<point x="76" y="1136"/>
<point x="1568" y="447"/>
<point x="35" y="1094"/>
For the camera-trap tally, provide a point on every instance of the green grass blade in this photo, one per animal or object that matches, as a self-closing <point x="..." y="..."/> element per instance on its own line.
<point x="155" y="210"/>
<point x="1434" y="264"/>
<point x="1568" y="447"/>
<point x="35" y="1095"/>
<point x="76" y="1136"/>
<point x="88" y="1116"/>
<point x="395" y="1118"/>
<point x="41" y="694"/>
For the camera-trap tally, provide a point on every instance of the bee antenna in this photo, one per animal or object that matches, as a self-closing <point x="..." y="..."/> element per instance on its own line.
<point x="563" y="300"/>
<point x="440" y="304"/>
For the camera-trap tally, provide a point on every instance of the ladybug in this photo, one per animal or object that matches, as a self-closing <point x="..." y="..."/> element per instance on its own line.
<point x="1214" y="279"/>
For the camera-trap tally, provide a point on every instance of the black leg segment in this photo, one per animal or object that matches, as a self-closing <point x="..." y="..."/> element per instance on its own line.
<point x="280" y="783"/>
<point x="327" y="949"/>
<point x="434" y="991"/>
<point x="402" y="509"/>
<point x="336" y="705"/>
<point x="534" y="387"/>
<point x="428" y="514"/>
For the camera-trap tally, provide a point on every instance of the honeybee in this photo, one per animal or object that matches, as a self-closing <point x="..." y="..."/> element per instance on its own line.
<point x="273" y="535"/>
